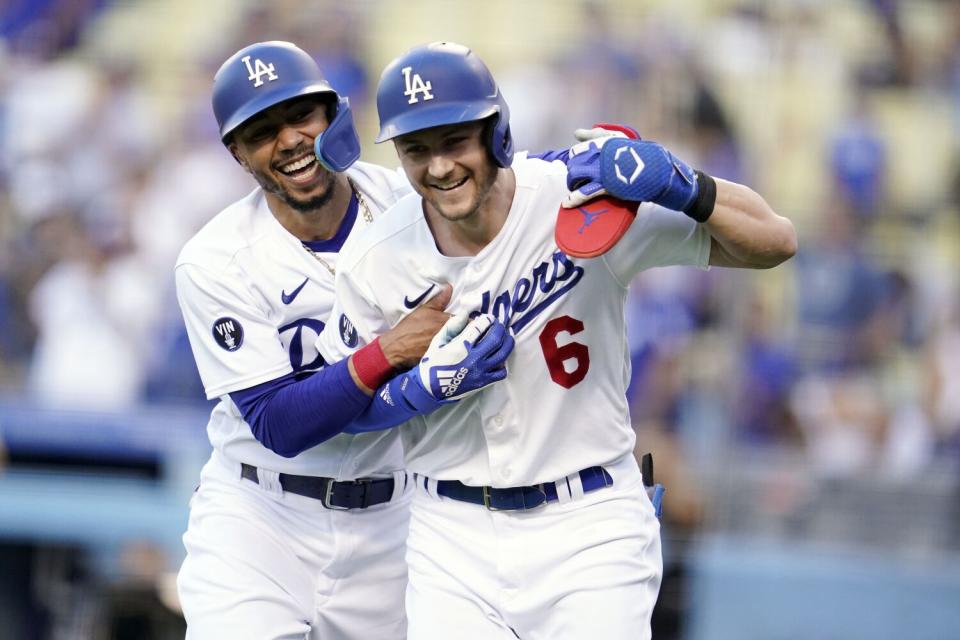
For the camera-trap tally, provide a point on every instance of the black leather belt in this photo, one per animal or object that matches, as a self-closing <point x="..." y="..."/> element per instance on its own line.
<point x="333" y="494"/>
<point x="514" y="498"/>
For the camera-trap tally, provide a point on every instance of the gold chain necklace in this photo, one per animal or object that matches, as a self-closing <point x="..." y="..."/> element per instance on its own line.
<point x="364" y="208"/>
<point x="329" y="267"/>
<point x="367" y="218"/>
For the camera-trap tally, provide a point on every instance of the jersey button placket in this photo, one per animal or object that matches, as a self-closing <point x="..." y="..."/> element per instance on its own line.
<point x="495" y="423"/>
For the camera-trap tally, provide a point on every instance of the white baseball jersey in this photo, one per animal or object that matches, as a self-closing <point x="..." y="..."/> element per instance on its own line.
<point x="562" y="407"/>
<point x="254" y="301"/>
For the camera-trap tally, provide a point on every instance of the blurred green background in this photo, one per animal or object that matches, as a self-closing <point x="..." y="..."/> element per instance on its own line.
<point x="805" y="420"/>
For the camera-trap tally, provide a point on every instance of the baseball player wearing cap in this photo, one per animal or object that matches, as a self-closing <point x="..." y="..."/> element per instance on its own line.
<point x="297" y="529"/>
<point x="529" y="517"/>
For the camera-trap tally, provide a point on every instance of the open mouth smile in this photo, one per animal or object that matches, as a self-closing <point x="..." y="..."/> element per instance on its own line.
<point x="456" y="185"/>
<point x="301" y="170"/>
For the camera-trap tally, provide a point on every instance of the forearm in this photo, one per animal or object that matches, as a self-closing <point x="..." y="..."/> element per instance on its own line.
<point x="746" y="231"/>
<point x="289" y="416"/>
<point x="394" y="403"/>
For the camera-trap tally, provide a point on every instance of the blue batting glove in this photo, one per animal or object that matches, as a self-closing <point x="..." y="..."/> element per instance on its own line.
<point x="632" y="170"/>
<point x="644" y="171"/>
<point x="464" y="357"/>
<point x="583" y="162"/>
<point x="458" y="363"/>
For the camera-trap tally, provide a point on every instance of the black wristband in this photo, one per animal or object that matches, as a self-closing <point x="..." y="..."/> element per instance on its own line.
<point x="702" y="206"/>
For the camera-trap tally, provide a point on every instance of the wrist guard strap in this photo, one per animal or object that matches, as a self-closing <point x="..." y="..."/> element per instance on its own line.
<point x="702" y="205"/>
<point x="372" y="366"/>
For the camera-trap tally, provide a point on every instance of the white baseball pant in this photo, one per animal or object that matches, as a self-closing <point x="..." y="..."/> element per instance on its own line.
<point x="263" y="564"/>
<point x="587" y="566"/>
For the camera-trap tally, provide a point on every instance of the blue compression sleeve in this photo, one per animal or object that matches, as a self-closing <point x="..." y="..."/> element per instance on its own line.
<point x="288" y="416"/>
<point x="395" y="402"/>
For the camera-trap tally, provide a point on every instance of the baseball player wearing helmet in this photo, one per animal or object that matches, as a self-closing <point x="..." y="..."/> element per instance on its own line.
<point x="529" y="518"/>
<point x="298" y="527"/>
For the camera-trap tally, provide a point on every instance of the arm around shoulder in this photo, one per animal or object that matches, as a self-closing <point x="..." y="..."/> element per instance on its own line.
<point x="745" y="230"/>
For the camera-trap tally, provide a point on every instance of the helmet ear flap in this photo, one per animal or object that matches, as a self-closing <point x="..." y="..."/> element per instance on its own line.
<point x="338" y="146"/>
<point x="498" y="140"/>
<point x="502" y="143"/>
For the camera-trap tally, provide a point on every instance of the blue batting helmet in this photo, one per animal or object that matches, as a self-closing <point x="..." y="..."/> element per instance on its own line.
<point x="267" y="73"/>
<point x="442" y="83"/>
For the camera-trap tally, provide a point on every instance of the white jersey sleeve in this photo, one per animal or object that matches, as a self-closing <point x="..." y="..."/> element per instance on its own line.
<point x="234" y="342"/>
<point x="658" y="237"/>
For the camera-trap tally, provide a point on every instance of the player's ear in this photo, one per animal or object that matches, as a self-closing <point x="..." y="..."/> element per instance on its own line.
<point x="235" y="152"/>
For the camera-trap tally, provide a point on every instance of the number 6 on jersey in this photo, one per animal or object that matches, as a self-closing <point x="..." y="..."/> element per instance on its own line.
<point x="556" y="355"/>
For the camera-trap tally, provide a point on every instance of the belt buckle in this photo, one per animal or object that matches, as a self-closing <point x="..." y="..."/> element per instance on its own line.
<point x="327" y="495"/>
<point x="486" y="499"/>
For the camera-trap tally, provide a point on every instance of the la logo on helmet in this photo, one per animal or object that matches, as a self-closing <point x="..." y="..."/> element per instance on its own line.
<point x="415" y="85"/>
<point x="258" y="70"/>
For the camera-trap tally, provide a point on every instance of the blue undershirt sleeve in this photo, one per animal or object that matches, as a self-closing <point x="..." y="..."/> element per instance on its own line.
<point x="395" y="402"/>
<point x="550" y="156"/>
<point x="290" y="415"/>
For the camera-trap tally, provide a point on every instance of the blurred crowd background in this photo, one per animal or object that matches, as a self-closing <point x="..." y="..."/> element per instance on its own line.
<point x="805" y="420"/>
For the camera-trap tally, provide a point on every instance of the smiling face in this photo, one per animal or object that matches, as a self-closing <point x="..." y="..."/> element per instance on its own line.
<point x="450" y="167"/>
<point x="276" y="147"/>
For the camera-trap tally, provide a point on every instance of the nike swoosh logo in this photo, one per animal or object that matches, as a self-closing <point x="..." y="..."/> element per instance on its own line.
<point x="412" y="304"/>
<point x="287" y="299"/>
